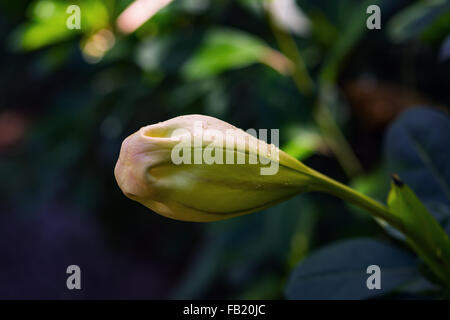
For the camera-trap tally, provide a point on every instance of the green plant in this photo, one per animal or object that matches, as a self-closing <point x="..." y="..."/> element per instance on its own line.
<point x="209" y="191"/>
<point x="211" y="57"/>
<point x="415" y="148"/>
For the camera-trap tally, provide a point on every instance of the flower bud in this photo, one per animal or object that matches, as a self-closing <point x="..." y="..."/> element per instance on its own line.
<point x="199" y="168"/>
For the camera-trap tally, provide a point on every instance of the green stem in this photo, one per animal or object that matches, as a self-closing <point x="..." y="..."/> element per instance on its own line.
<point x="336" y="140"/>
<point x="376" y="209"/>
<point x="346" y="193"/>
<point x="301" y="77"/>
<point x="331" y="132"/>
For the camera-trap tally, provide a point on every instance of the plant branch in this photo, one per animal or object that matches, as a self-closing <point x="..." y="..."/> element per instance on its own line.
<point x="430" y="254"/>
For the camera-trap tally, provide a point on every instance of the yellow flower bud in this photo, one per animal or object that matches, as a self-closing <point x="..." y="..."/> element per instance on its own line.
<point x="199" y="168"/>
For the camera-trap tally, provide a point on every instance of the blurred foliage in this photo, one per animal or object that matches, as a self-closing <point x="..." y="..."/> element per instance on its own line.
<point x="69" y="97"/>
<point x="428" y="19"/>
<point x="228" y="49"/>
<point x="404" y="203"/>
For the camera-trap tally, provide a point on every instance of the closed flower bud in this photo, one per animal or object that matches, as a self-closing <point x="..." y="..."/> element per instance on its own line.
<point x="199" y="168"/>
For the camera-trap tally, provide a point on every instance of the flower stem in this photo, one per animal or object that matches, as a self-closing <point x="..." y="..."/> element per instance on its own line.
<point x="331" y="132"/>
<point x="346" y="193"/>
<point x="429" y="254"/>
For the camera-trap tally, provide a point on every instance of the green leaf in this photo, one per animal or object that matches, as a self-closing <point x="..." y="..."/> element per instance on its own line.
<point x="225" y="49"/>
<point x="416" y="148"/>
<point x="339" y="271"/>
<point x="303" y="142"/>
<point x="430" y="241"/>
<point x="439" y="29"/>
<point x="444" y="53"/>
<point x="416" y="18"/>
<point x="47" y="23"/>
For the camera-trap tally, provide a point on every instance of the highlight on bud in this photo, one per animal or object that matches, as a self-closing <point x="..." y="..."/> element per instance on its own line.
<point x="199" y="168"/>
<point x="225" y="147"/>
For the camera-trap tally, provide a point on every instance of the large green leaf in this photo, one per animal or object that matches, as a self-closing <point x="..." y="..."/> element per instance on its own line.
<point x="428" y="238"/>
<point x="47" y="23"/>
<point x="339" y="271"/>
<point x="416" y="148"/>
<point x="225" y="49"/>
